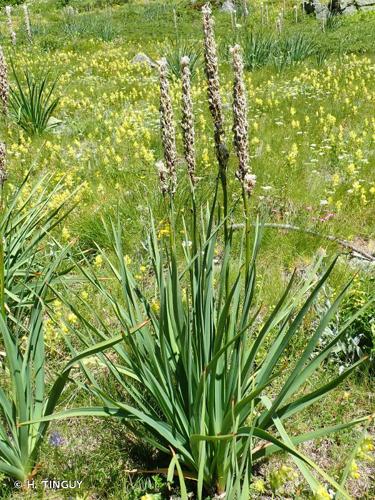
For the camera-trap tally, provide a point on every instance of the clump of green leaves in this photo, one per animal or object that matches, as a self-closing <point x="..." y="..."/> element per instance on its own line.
<point x="261" y="49"/>
<point x="25" y="274"/>
<point x="332" y="21"/>
<point x="296" y="48"/>
<point x="196" y="377"/>
<point x="359" y="340"/>
<point x="258" y="49"/>
<point x="32" y="102"/>
<point x="174" y="54"/>
<point x="26" y="222"/>
<point x="25" y="398"/>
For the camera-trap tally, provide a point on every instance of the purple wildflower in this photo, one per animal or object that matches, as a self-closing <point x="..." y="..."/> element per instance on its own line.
<point x="56" y="439"/>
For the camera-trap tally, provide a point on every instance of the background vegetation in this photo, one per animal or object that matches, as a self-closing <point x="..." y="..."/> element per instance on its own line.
<point x="312" y="131"/>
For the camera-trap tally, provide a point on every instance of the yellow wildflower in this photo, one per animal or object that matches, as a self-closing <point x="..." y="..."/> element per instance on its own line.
<point x="98" y="262"/>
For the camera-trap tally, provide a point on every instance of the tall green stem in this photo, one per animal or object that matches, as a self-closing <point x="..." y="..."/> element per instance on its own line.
<point x="172" y="226"/>
<point x="223" y="180"/>
<point x="2" y="278"/>
<point x="194" y="214"/>
<point x="222" y="158"/>
<point x="247" y="232"/>
<point x="2" y="255"/>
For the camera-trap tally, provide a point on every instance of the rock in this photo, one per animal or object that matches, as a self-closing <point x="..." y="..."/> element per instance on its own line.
<point x="337" y="6"/>
<point x="321" y="10"/>
<point x="351" y="6"/>
<point x="343" y="4"/>
<point x="364" y="257"/>
<point x="360" y="264"/>
<point x="228" y="6"/>
<point x="141" y="58"/>
<point x="364" y="3"/>
<point x="350" y="9"/>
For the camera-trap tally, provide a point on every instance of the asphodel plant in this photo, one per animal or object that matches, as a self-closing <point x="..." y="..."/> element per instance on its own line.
<point x="207" y="378"/>
<point x="28" y="214"/>
<point x="25" y="396"/>
<point x="31" y="102"/>
<point x="28" y="396"/>
<point x="27" y="271"/>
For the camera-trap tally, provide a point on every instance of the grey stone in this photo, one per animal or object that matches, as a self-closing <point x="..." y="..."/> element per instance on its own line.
<point x="364" y="3"/>
<point x="350" y="9"/>
<point x="141" y="58"/>
<point x="322" y="10"/>
<point x="343" y="4"/>
<point x="358" y="263"/>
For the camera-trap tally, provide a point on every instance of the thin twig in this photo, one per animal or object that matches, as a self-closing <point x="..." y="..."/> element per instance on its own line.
<point x="336" y="239"/>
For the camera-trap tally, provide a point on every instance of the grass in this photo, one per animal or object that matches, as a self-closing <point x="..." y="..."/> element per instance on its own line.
<point x="108" y="143"/>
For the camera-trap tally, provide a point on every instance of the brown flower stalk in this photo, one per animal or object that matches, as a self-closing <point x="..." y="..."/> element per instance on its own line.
<point x="214" y="99"/>
<point x="240" y="123"/>
<point x="168" y="133"/>
<point x="3" y="170"/>
<point x="4" y="84"/>
<point x="187" y="122"/>
<point x="27" y="22"/>
<point x="249" y="182"/>
<point x="163" y="177"/>
<point x="12" y="33"/>
<point x="241" y="142"/>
